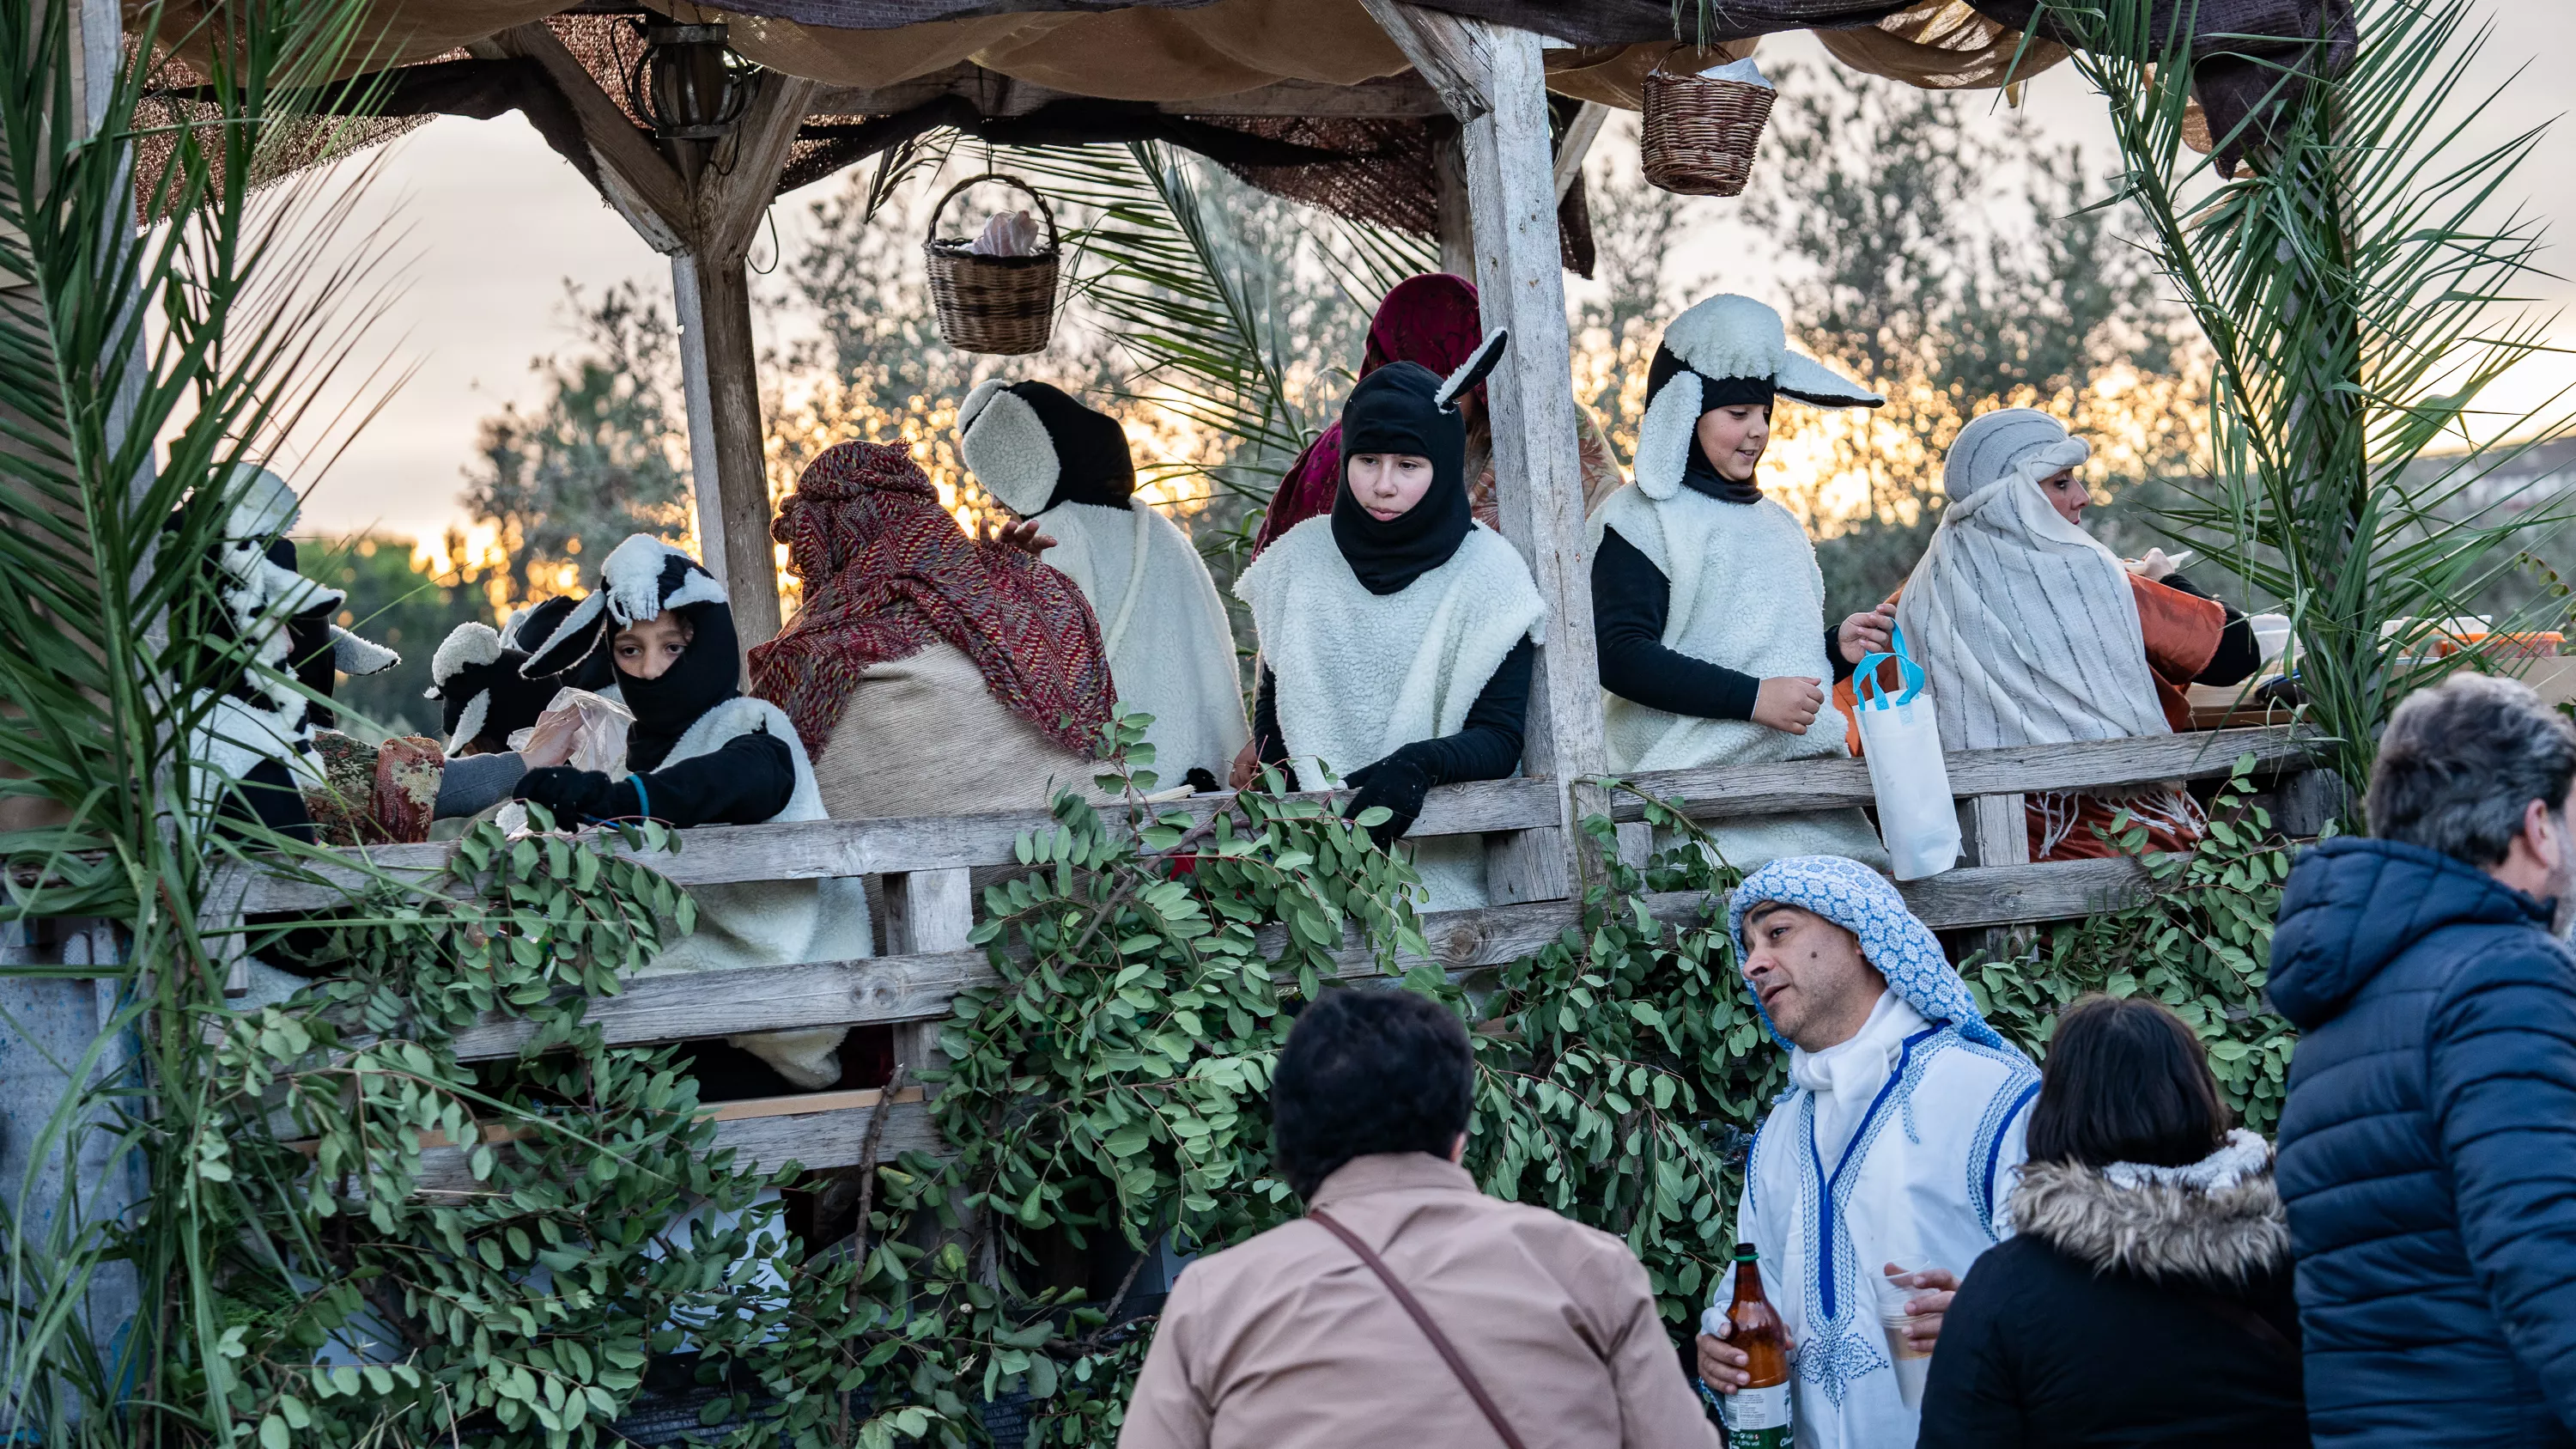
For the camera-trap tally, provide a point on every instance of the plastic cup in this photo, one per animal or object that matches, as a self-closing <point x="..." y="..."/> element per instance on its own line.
<point x="1912" y="1362"/>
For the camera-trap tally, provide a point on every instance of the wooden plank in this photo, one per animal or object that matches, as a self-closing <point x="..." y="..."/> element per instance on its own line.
<point x="637" y="180"/>
<point x="823" y="849"/>
<point x="1729" y="792"/>
<point x="1450" y="206"/>
<point x="1446" y="52"/>
<point x="720" y="384"/>
<point x="1995" y="829"/>
<point x="780" y="1130"/>
<point x="734" y="198"/>
<point x="995" y="94"/>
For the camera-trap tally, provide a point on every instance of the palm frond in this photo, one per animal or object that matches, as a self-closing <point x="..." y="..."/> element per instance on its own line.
<point x="2357" y="286"/>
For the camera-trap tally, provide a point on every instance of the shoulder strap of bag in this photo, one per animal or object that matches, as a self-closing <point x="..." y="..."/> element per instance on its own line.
<point x="1422" y="1319"/>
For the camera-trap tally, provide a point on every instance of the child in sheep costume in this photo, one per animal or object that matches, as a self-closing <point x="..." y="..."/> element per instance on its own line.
<point x="261" y="735"/>
<point x="1708" y="607"/>
<point x="1397" y="647"/>
<point x="701" y="753"/>
<point x="1171" y="650"/>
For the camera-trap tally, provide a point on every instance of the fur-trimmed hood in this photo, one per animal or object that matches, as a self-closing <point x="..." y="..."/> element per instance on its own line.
<point x="2217" y="1222"/>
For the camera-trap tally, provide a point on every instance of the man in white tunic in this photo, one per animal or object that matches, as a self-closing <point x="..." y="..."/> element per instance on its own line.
<point x="1895" y="1145"/>
<point x="1708" y="608"/>
<point x="1171" y="652"/>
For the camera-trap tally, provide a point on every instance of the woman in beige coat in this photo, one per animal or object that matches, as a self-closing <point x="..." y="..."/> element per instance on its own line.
<point x="1295" y="1339"/>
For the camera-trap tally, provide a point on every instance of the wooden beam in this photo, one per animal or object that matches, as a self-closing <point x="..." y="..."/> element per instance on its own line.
<point x="1734" y="791"/>
<point x="734" y="195"/>
<point x="1450" y="207"/>
<point x="821" y="849"/>
<point x="644" y="187"/>
<point x="995" y="94"/>
<point x="728" y="473"/>
<point x="927" y="911"/>
<point x="822" y="1129"/>
<point x="825" y="849"/>
<point x="1447" y="51"/>
<point x="915" y="988"/>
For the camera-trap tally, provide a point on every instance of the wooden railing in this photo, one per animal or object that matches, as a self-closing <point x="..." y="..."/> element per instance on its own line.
<point x="924" y="865"/>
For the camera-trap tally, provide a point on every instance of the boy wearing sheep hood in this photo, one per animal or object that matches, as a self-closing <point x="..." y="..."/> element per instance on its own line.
<point x="1708" y="608"/>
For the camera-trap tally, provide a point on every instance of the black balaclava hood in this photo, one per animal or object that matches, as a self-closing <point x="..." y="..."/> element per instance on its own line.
<point x="1032" y="446"/>
<point x="706" y="674"/>
<point x="1406" y="408"/>
<point x="641" y="580"/>
<point x="1698" y="473"/>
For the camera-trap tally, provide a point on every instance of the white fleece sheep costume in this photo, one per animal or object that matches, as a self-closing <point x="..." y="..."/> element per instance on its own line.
<point x="759" y="923"/>
<point x="1360" y="674"/>
<point x="1746" y="592"/>
<point x="1162" y="625"/>
<point x="263" y="716"/>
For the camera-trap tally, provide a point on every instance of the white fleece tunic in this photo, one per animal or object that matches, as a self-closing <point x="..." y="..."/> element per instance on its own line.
<point x="1171" y="651"/>
<point x="1746" y="596"/>
<point x="1360" y="675"/>
<point x="771" y="923"/>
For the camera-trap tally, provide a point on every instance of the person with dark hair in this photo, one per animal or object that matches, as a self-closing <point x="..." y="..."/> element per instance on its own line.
<point x="2428" y="1146"/>
<point x="2145" y="1296"/>
<point x="1407" y="1308"/>
<point x="1878" y="1177"/>
<point x="1397" y="633"/>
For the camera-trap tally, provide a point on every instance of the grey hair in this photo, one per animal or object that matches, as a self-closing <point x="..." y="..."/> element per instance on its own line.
<point x="2460" y="763"/>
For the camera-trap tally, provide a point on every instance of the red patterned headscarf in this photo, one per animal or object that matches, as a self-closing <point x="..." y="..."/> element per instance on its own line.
<point x="887" y="571"/>
<point x="1431" y="319"/>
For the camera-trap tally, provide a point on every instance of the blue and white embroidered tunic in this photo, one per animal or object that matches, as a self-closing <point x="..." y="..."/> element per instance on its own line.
<point x="1896" y="1146"/>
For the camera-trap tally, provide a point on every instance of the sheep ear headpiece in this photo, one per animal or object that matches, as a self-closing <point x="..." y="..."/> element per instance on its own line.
<point x="1487" y="356"/>
<point x="641" y="579"/>
<point x="1726" y="348"/>
<point x="1033" y="445"/>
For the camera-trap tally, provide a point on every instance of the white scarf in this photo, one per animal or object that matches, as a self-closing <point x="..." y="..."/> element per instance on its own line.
<point x="1846" y="1077"/>
<point x="2026" y="625"/>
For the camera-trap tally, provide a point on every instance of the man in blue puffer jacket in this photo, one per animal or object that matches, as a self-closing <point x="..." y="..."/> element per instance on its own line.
<point x="2428" y="1148"/>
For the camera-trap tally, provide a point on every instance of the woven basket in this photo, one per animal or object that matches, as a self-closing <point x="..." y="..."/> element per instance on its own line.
<point x="1701" y="133"/>
<point x="999" y="305"/>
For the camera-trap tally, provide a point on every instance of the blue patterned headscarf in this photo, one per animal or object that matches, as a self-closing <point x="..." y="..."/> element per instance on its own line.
<point x="1894" y="939"/>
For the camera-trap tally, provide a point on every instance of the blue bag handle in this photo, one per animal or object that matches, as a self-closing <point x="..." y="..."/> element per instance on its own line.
<point x="1865" y="685"/>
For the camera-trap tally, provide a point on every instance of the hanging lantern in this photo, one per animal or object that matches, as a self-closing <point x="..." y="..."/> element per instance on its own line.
<point x="689" y="83"/>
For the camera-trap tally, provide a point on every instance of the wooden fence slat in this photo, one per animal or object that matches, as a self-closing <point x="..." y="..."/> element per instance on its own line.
<point x="826" y="848"/>
<point x="1798" y="785"/>
<point x="915" y="988"/>
<point x="822" y="1131"/>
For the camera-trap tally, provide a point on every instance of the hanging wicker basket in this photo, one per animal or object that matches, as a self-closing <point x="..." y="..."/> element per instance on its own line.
<point x="998" y="305"/>
<point x="1701" y="132"/>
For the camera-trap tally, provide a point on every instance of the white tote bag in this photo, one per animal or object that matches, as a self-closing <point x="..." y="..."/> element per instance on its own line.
<point x="1902" y="743"/>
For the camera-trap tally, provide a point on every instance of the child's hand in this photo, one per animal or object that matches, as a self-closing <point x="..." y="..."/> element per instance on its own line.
<point x="1788" y="704"/>
<point x="1865" y="634"/>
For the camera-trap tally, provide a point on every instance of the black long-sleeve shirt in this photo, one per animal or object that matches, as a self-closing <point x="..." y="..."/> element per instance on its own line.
<point x="1486" y="747"/>
<point x="1632" y="601"/>
<point x="744" y="781"/>
<point x="2239" y="652"/>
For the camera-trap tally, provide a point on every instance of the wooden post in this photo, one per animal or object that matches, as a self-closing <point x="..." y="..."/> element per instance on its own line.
<point x="1995" y="829"/>
<point x="1494" y="80"/>
<point x="926" y="910"/>
<point x="728" y="474"/>
<point x="1457" y="226"/>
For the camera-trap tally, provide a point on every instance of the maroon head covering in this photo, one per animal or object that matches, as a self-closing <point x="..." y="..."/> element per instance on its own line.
<point x="1431" y="319"/>
<point x="887" y="571"/>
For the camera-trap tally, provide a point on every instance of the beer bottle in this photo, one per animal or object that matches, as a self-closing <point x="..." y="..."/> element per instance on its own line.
<point x="1757" y="1415"/>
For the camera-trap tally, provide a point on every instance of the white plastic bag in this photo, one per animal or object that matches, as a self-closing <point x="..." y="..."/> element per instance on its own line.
<point x="599" y="739"/>
<point x="1007" y="234"/>
<point x="1901" y="740"/>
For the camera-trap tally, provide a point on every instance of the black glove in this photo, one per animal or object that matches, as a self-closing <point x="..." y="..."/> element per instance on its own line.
<point x="575" y="796"/>
<point x="1397" y="782"/>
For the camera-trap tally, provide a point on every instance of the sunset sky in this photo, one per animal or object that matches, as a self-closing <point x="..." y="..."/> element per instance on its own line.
<point x="491" y="225"/>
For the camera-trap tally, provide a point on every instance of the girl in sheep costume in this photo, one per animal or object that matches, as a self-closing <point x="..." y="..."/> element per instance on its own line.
<point x="1397" y="641"/>
<point x="1171" y="650"/>
<point x="1708" y="608"/>
<point x="259" y="736"/>
<point x="700" y="753"/>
